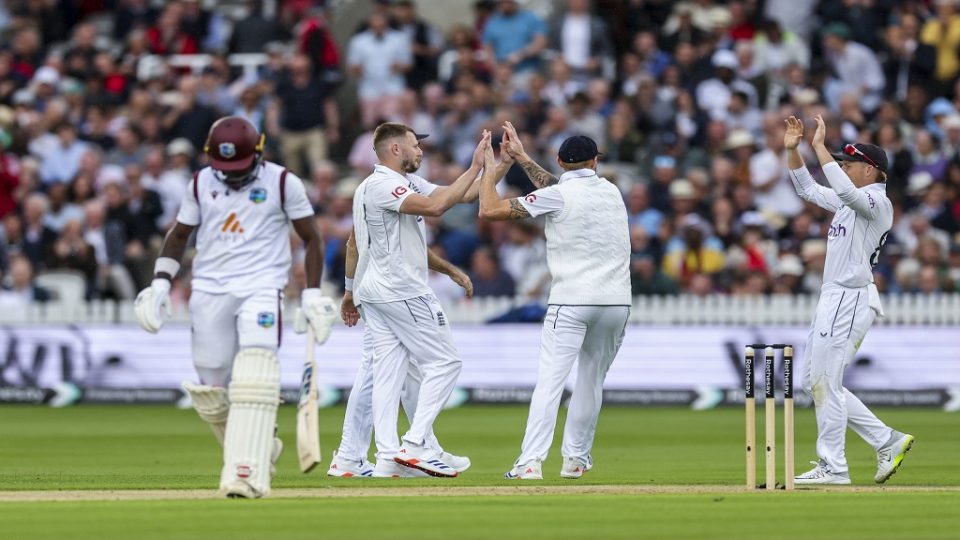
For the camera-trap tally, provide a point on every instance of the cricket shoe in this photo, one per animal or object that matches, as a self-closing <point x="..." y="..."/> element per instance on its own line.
<point x="458" y="463"/>
<point x="531" y="470"/>
<point x="575" y="467"/>
<point x="891" y="455"/>
<point x="349" y="468"/>
<point x="821" y="474"/>
<point x="388" y="468"/>
<point x="425" y="459"/>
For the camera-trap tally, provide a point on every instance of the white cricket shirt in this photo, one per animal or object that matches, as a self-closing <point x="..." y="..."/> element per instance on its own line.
<point x="859" y="227"/>
<point x="243" y="241"/>
<point x="392" y="246"/>
<point x="588" y="239"/>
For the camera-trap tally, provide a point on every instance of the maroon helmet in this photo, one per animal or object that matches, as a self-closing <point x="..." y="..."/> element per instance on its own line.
<point x="235" y="149"/>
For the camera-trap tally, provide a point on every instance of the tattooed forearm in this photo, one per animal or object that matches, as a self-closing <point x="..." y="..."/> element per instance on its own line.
<point x="517" y="211"/>
<point x="538" y="176"/>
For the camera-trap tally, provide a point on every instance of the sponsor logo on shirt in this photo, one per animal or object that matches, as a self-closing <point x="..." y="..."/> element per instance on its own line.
<point x="232" y="224"/>
<point x="872" y="202"/>
<point x="258" y="195"/>
<point x="531" y="198"/>
<point x="400" y="190"/>
<point x="837" y="231"/>
<point x="266" y="319"/>
<point x="441" y="320"/>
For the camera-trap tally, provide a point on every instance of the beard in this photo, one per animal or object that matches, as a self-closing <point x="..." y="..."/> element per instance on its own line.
<point x="410" y="165"/>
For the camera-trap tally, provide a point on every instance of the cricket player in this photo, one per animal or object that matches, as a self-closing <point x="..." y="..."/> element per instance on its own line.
<point x="588" y="254"/>
<point x="849" y="301"/>
<point x="350" y="459"/>
<point x="241" y="207"/>
<point x="404" y="319"/>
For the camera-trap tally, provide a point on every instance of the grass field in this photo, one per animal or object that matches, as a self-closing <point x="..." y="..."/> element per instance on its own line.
<point x="660" y="473"/>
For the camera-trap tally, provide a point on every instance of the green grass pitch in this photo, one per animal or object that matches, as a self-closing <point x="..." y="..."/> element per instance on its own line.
<point x="660" y="473"/>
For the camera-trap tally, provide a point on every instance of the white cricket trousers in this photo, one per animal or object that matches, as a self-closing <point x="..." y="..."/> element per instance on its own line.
<point x="839" y="326"/>
<point x="594" y="334"/>
<point x="358" y="418"/>
<point x="409" y="331"/>
<point x="222" y="324"/>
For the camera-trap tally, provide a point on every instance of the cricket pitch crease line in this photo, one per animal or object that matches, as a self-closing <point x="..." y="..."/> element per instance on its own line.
<point x="434" y="491"/>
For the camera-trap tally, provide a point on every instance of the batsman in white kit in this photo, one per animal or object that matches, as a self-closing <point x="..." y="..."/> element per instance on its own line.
<point x="242" y="208"/>
<point x="405" y="322"/>
<point x="588" y="254"/>
<point x="849" y="300"/>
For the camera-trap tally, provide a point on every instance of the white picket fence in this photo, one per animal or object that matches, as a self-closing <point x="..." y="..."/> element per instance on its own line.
<point x="906" y="309"/>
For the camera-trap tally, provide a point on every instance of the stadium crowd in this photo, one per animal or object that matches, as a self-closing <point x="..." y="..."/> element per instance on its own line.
<point x="101" y="129"/>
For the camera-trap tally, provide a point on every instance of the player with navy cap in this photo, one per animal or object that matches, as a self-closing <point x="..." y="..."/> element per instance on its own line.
<point x="849" y="301"/>
<point x="588" y="253"/>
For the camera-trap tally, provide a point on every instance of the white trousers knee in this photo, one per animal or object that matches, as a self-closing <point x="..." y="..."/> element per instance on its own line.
<point x="594" y="334"/>
<point x="222" y="324"/>
<point x="413" y="331"/>
<point x="839" y="326"/>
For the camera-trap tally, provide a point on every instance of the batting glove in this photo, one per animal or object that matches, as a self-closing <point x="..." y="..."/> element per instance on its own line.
<point x="320" y="313"/>
<point x="152" y="305"/>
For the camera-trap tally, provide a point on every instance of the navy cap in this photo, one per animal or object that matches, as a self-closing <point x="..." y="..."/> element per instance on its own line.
<point x="870" y="154"/>
<point x="578" y="148"/>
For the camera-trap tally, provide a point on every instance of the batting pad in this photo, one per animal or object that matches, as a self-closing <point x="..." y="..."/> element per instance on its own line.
<point x="211" y="404"/>
<point x="254" y="395"/>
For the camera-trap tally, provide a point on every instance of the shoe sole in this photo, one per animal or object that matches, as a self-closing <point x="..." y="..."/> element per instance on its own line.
<point x="897" y="461"/>
<point x="414" y="463"/>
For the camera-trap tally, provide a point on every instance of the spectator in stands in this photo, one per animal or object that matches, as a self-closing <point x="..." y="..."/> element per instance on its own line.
<point x="379" y="58"/>
<point x="314" y="39"/>
<point x="426" y="43"/>
<point x="130" y="14"/>
<point x="60" y="161"/>
<point x="308" y="117"/>
<point x="515" y="37"/>
<point x="168" y="36"/>
<point x="713" y="95"/>
<point x="855" y="67"/>
<point x="188" y="118"/>
<point x="19" y="289"/>
<point x="127" y="150"/>
<point x="487" y="276"/>
<point x="906" y="60"/>
<point x="523" y="255"/>
<point x="582" y="40"/>
<point x="694" y="251"/>
<point x="109" y="247"/>
<point x="11" y="190"/>
<point x="37" y="237"/>
<point x="71" y="252"/>
<point x="253" y="31"/>
<point x="60" y="209"/>
<point x="943" y="33"/>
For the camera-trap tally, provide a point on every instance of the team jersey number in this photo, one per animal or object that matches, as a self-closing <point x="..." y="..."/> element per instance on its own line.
<point x="875" y="257"/>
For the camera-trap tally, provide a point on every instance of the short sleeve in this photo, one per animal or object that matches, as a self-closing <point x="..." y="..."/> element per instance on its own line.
<point x="296" y="204"/>
<point x="388" y="193"/>
<point x="189" y="213"/>
<point x="424" y="187"/>
<point x="543" y="201"/>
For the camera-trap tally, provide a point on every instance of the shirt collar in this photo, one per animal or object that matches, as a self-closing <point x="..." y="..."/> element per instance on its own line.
<point x="383" y="169"/>
<point x="578" y="173"/>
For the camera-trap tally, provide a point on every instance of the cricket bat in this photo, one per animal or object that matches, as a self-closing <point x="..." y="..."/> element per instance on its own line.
<point x="308" y="420"/>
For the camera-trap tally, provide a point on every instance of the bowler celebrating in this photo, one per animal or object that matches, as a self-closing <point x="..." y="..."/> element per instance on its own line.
<point x="849" y="301"/>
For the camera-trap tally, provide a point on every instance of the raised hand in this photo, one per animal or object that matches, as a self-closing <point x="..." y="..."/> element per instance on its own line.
<point x="820" y="135"/>
<point x="794" y="133"/>
<point x="511" y="141"/>
<point x="477" y="161"/>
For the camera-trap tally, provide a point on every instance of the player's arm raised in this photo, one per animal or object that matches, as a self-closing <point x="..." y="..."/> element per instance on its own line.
<point x="514" y="149"/>
<point x="861" y="202"/>
<point x="492" y="207"/>
<point x="443" y="198"/>
<point x="807" y="188"/>
<point x="439" y="264"/>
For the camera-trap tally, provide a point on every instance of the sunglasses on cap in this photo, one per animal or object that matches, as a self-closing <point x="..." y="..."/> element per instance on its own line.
<point x="852" y="150"/>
